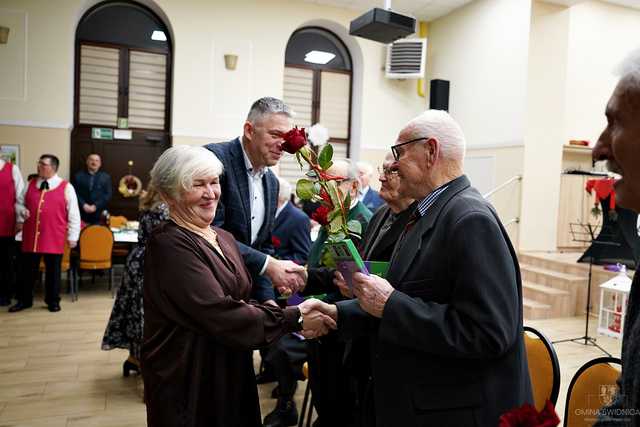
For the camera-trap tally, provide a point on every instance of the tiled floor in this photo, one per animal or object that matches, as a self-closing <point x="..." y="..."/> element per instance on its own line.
<point x="53" y="372"/>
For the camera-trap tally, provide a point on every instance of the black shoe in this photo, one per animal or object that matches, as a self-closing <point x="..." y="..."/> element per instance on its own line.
<point x="54" y="307"/>
<point x="285" y="414"/>
<point x="266" y="376"/>
<point x="19" y="307"/>
<point x="129" y="366"/>
<point x="4" y="301"/>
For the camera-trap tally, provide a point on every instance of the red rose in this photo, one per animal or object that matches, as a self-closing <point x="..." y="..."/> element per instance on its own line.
<point x="326" y="197"/>
<point x="320" y="215"/>
<point x="294" y="140"/>
<point x="528" y="416"/>
<point x="276" y="242"/>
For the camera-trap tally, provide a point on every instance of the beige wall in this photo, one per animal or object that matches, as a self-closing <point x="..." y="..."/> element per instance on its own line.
<point x="482" y="49"/>
<point x="209" y="102"/>
<point x="34" y="142"/>
<point x="508" y="164"/>
<point x="544" y="133"/>
<point x="571" y="57"/>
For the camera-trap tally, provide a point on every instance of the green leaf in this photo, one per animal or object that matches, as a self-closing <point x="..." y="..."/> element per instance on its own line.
<point x="311" y="173"/>
<point x="304" y="189"/>
<point x="335" y="238"/>
<point x="333" y="214"/>
<point x="336" y="224"/>
<point x="332" y="189"/>
<point x="354" y="227"/>
<point x="324" y="159"/>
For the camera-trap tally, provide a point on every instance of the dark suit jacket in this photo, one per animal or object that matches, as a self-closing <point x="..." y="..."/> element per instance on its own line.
<point x="234" y="212"/>
<point x="380" y="248"/>
<point x="99" y="195"/>
<point x="448" y="350"/>
<point x="372" y="200"/>
<point x="292" y="231"/>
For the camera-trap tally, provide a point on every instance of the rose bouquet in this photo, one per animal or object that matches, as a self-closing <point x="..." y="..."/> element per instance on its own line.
<point x="321" y="187"/>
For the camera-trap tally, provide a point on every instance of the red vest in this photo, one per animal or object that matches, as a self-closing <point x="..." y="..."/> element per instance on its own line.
<point x="45" y="231"/>
<point x="7" y="202"/>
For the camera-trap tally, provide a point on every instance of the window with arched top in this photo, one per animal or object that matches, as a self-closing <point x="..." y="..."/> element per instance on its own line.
<point x="122" y="99"/>
<point x="317" y="86"/>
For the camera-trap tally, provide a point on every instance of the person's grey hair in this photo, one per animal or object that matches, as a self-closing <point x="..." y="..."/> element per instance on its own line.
<point x="178" y="167"/>
<point x="365" y="167"/>
<point x="285" y="189"/>
<point x="440" y="125"/>
<point x="266" y="106"/>
<point x="630" y="66"/>
<point x="348" y="166"/>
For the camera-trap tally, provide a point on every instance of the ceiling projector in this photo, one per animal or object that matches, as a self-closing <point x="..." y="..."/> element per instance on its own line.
<point x="381" y="25"/>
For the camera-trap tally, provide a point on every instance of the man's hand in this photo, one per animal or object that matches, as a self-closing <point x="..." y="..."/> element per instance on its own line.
<point x="372" y="293"/>
<point x="287" y="276"/>
<point x="341" y="284"/>
<point x="318" y="318"/>
<point x="89" y="208"/>
<point x="73" y="243"/>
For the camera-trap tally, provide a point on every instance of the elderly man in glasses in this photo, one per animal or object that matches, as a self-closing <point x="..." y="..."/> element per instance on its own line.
<point x="446" y="323"/>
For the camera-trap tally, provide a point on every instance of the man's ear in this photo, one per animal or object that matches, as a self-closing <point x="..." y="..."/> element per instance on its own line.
<point x="432" y="151"/>
<point x="248" y="130"/>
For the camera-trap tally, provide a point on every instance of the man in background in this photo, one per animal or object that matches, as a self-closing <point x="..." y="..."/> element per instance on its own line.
<point x="366" y="194"/>
<point x="11" y="186"/>
<point x="93" y="188"/>
<point x="247" y="207"/>
<point x="49" y="210"/>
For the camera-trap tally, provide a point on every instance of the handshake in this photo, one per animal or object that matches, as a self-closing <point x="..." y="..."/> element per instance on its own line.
<point x="287" y="276"/>
<point x="318" y="318"/>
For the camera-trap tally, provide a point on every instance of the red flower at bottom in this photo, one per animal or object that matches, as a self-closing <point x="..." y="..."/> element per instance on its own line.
<point x="528" y="416"/>
<point x="321" y="215"/>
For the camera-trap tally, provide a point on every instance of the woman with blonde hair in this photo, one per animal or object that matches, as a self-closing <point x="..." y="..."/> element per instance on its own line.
<point x="124" y="329"/>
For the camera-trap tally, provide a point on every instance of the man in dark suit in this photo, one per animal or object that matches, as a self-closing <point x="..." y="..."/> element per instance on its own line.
<point x="446" y="324"/>
<point x="291" y="235"/>
<point x="247" y="207"/>
<point x="93" y="187"/>
<point x="367" y="195"/>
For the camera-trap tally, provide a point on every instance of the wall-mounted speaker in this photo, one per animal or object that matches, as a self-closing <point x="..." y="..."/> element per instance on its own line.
<point x="439" y="95"/>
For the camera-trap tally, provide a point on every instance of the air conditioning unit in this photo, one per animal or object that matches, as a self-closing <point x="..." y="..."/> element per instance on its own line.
<point x="406" y="59"/>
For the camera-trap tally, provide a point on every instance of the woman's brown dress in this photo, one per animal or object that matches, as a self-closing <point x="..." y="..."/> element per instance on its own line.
<point x="199" y="332"/>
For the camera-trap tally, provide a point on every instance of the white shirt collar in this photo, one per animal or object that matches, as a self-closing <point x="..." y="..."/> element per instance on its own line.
<point x="259" y="173"/>
<point x="281" y="208"/>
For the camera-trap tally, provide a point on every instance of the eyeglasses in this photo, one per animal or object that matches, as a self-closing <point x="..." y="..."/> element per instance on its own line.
<point x="394" y="148"/>
<point x="388" y="173"/>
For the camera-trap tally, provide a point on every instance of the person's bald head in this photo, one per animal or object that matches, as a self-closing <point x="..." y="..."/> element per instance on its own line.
<point x="346" y="169"/>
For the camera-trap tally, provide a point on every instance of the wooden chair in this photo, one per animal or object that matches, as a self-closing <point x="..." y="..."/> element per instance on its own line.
<point x="590" y="389"/>
<point x="117" y="221"/>
<point x="96" y="244"/>
<point x="544" y="368"/>
<point x="65" y="267"/>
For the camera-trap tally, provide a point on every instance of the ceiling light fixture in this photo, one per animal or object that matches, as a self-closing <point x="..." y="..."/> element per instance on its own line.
<point x="318" y="57"/>
<point x="159" y="36"/>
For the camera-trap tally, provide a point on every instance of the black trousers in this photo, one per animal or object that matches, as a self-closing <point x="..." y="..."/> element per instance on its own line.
<point x="30" y="272"/>
<point x="286" y="357"/>
<point x="8" y="262"/>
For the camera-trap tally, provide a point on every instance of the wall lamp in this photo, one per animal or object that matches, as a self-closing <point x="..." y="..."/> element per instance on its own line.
<point x="230" y="61"/>
<point x="4" y="35"/>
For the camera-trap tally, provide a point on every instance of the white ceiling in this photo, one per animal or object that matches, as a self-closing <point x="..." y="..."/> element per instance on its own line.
<point x="428" y="10"/>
